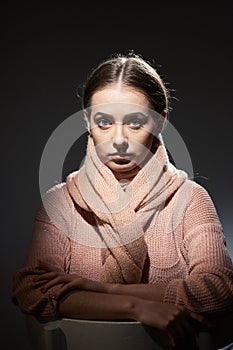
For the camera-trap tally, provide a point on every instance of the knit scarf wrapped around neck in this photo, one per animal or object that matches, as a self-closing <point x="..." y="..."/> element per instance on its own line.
<point x="122" y="215"/>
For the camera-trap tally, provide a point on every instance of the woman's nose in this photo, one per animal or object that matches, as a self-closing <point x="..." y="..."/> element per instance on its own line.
<point x="120" y="141"/>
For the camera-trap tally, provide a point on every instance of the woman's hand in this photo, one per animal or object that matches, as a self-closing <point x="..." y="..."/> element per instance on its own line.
<point x="174" y="321"/>
<point x="52" y="277"/>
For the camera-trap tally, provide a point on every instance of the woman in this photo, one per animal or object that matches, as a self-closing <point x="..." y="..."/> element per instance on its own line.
<point x="128" y="236"/>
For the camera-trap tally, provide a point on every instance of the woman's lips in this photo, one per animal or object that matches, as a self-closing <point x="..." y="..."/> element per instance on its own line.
<point x="121" y="158"/>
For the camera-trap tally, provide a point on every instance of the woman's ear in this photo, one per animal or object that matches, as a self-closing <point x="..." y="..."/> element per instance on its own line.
<point x="164" y="113"/>
<point x="87" y="120"/>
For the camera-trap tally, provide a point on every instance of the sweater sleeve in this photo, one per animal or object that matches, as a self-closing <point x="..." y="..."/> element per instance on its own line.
<point x="208" y="287"/>
<point x="48" y="244"/>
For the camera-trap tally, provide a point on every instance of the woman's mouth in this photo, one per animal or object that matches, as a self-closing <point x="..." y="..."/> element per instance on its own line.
<point x="121" y="158"/>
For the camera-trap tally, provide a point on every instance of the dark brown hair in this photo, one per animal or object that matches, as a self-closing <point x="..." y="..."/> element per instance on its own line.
<point x="133" y="71"/>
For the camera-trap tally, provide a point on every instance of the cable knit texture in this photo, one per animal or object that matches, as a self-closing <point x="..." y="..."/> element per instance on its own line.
<point x="182" y="245"/>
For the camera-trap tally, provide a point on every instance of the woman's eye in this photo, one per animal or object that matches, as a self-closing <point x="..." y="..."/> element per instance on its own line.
<point x="104" y="123"/>
<point x="135" y="123"/>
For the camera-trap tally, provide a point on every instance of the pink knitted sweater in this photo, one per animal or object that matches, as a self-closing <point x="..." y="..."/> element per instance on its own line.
<point x="192" y="258"/>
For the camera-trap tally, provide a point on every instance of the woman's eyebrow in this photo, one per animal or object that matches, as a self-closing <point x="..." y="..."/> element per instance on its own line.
<point x="106" y="115"/>
<point x="126" y="115"/>
<point x="136" y="114"/>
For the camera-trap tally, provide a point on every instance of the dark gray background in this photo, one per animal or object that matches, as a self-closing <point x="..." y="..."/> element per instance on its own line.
<point x="49" y="48"/>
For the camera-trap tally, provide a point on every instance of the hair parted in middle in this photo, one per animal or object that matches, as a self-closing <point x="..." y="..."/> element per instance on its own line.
<point x="130" y="70"/>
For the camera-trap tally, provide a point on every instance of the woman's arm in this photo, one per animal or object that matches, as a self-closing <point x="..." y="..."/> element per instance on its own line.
<point x="51" y="245"/>
<point x="83" y="298"/>
<point x="51" y="276"/>
<point x="153" y="292"/>
<point x="93" y="305"/>
<point x="173" y="323"/>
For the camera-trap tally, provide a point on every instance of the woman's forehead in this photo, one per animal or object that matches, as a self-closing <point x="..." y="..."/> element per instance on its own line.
<point x="119" y="93"/>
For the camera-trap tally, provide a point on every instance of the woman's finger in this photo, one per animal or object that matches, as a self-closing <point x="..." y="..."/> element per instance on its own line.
<point x="66" y="288"/>
<point x="45" y="276"/>
<point x="178" y="330"/>
<point x="200" y="321"/>
<point x="54" y="282"/>
<point x="171" y="340"/>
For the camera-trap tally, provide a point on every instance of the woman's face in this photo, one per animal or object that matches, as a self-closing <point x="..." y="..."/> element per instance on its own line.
<point x="121" y="127"/>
